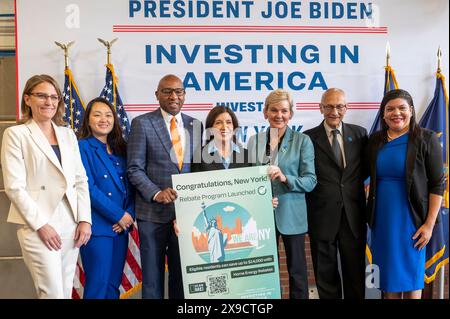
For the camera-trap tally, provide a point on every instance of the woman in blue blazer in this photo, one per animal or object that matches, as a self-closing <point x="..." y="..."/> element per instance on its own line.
<point x="290" y="156"/>
<point x="103" y="152"/>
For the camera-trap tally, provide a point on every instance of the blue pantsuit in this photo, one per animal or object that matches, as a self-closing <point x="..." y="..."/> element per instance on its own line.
<point x="111" y="196"/>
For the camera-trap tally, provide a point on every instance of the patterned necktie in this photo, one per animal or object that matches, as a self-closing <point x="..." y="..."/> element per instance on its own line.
<point x="176" y="142"/>
<point x="337" y="149"/>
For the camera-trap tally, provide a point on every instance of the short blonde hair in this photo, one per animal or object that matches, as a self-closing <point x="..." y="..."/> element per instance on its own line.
<point x="29" y="86"/>
<point x="277" y="96"/>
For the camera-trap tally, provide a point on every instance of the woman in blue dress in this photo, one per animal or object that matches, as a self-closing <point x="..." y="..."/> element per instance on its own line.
<point x="406" y="187"/>
<point x="103" y="152"/>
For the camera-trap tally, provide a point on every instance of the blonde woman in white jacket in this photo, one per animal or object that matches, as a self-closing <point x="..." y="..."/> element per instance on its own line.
<point x="46" y="182"/>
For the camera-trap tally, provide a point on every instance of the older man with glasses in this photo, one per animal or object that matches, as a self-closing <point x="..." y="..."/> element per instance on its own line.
<point x="161" y="143"/>
<point x="336" y="207"/>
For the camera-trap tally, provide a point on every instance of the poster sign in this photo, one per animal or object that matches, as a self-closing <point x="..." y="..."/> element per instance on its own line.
<point x="227" y="234"/>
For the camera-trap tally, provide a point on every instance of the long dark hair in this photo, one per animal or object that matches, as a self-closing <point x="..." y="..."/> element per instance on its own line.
<point x="214" y="113"/>
<point x="414" y="129"/>
<point x="115" y="138"/>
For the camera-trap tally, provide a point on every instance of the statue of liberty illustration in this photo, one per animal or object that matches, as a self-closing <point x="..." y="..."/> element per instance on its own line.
<point x="216" y="240"/>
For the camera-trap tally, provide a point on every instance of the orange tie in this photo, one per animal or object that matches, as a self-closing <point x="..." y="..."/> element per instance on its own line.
<point x="176" y="141"/>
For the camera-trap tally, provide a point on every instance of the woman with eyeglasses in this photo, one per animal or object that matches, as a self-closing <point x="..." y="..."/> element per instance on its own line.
<point x="406" y="187"/>
<point x="103" y="152"/>
<point x="46" y="182"/>
<point x="290" y="156"/>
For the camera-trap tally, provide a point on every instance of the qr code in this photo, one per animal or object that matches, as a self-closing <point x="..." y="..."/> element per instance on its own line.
<point x="218" y="285"/>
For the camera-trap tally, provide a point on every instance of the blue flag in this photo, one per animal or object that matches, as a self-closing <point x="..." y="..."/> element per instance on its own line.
<point x="74" y="106"/>
<point x="436" y="118"/>
<point x="390" y="83"/>
<point x="111" y="93"/>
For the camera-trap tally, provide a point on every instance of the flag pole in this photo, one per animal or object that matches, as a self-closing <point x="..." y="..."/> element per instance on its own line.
<point x="439" y="55"/>
<point x="442" y="270"/>
<point x="108" y="45"/>
<point x="65" y="48"/>
<point x="388" y="54"/>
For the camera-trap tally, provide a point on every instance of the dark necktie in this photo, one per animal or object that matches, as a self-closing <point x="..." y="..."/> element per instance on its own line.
<point x="337" y="149"/>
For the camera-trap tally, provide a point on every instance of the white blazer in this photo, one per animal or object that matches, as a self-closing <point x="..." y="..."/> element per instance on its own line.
<point x="34" y="179"/>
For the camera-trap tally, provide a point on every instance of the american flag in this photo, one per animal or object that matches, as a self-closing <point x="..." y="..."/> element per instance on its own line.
<point x="73" y="116"/>
<point x="74" y="106"/>
<point x="132" y="272"/>
<point x="111" y="93"/>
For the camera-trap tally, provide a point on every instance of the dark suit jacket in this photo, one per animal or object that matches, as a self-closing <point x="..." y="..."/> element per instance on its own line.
<point x="213" y="162"/>
<point x="337" y="188"/>
<point x="424" y="173"/>
<point x="150" y="167"/>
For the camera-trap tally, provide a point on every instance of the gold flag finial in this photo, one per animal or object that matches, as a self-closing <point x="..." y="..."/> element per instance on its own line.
<point x="439" y="55"/>
<point x="388" y="53"/>
<point x="65" y="48"/>
<point x="108" y="45"/>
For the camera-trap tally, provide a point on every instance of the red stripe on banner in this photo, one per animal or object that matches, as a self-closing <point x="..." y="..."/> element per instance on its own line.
<point x="364" y="108"/>
<point x="134" y="234"/>
<point x="352" y="106"/>
<point x="150" y="110"/>
<point x="246" y="28"/>
<point x="184" y="105"/>
<point x="241" y="26"/>
<point x="187" y="107"/>
<point x="82" y="277"/>
<point x="131" y="260"/>
<point x="155" y="105"/>
<point x="75" y="294"/>
<point x="150" y="29"/>
<point x="79" y="271"/>
<point x="139" y="110"/>
<point x="244" y="31"/>
<point x="126" y="283"/>
<point x="134" y="266"/>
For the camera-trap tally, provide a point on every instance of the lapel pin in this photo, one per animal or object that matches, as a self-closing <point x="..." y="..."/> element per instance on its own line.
<point x="349" y="139"/>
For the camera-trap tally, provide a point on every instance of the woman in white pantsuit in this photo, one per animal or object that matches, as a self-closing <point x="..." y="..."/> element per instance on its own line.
<point x="46" y="182"/>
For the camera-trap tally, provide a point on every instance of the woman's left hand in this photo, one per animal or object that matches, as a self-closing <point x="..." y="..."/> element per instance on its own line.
<point x="117" y="228"/>
<point x="82" y="234"/>
<point x="275" y="172"/>
<point x="424" y="234"/>
<point x="176" y="228"/>
<point x="274" y="202"/>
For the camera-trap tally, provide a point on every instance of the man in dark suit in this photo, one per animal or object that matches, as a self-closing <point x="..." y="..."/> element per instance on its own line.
<point x="336" y="206"/>
<point x="161" y="143"/>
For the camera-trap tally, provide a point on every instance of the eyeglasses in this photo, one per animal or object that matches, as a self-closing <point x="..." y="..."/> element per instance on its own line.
<point x="169" y="91"/>
<point x="43" y="97"/>
<point x="337" y="107"/>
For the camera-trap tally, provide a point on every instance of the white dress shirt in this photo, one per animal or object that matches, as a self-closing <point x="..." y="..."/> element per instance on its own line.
<point x="340" y="138"/>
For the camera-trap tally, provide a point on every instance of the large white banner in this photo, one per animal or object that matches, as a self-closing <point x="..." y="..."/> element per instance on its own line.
<point x="235" y="52"/>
